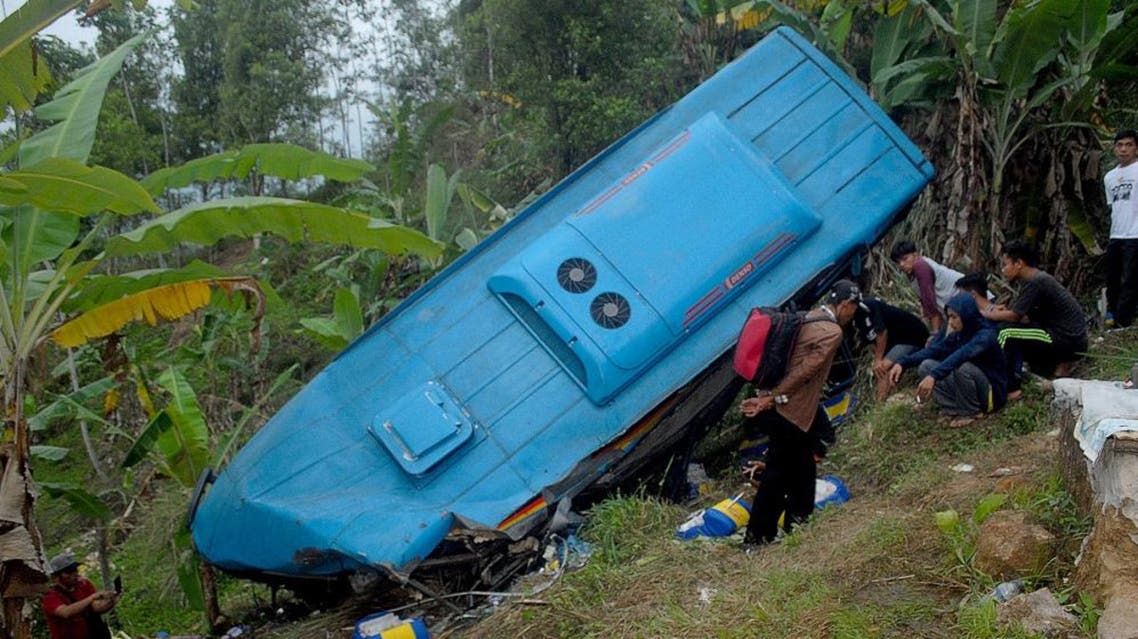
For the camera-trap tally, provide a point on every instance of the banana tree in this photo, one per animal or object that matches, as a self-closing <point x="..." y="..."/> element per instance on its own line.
<point x="51" y="264"/>
<point x="1010" y="72"/>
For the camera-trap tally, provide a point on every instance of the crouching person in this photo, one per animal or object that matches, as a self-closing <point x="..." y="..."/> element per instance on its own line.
<point x="789" y="415"/>
<point x="963" y="368"/>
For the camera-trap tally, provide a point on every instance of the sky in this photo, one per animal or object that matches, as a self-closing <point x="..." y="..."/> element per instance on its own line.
<point x="67" y="29"/>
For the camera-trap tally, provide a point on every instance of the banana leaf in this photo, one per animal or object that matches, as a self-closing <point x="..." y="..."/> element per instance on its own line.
<point x="293" y="220"/>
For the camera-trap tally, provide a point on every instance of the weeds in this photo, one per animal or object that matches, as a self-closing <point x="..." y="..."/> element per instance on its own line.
<point x="962" y="535"/>
<point x="978" y="620"/>
<point x="1088" y="615"/>
<point x="1055" y="508"/>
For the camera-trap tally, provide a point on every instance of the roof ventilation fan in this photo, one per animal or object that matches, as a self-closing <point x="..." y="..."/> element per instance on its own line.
<point x="576" y="275"/>
<point x="610" y="310"/>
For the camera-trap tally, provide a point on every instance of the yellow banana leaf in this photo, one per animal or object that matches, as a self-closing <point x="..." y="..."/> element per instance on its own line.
<point x="161" y="303"/>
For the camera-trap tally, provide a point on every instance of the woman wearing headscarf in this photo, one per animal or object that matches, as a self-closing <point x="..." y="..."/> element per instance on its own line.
<point x="963" y="368"/>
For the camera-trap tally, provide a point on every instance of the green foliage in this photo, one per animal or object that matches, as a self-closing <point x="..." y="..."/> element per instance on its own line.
<point x="75" y="111"/>
<point x="961" y="535"/>
<point x="410" y="132"/>
<point x="345" y="325"/>
<point x="589" y="71"/>
<point x="49" y="453"/>
<point x="294" y="220"/>
<point x="189" y="565"/>
<point x="22" y="78"/>
<point x="66" y="186"/>
<point x="102" y="289"/>
<point x="81" y="500"/>
<point x="1053" y="506"/>
<point x="611" y="523"/>
<point x="33" y="16"/>
<point x="151" y="561"/>
<point x="440" y="192"/>
<point x="233" y="437"/>
<point x="1088" y="614"/>
<point x="285" y="161"/>
<point x="185" y="445"/>
<point x="71" y="406"/>
<point x="268" y="51"/>
<point x="1015" y="73"/>
<point x="828" y="30"/>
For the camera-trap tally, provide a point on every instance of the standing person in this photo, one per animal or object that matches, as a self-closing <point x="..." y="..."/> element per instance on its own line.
<point x="1122" y="250"/>
<point x="73" y="607"/>
<point x="933" y="283"/>
<point x="893" y="332"/>
<point x="788" y="414"/>
<point x="1045" y="325"/>
<point x="964" y="367"/>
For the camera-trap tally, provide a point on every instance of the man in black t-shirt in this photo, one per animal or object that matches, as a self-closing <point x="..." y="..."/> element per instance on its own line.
<point x="1044" y="325"/>
<point x="893" y="332"/>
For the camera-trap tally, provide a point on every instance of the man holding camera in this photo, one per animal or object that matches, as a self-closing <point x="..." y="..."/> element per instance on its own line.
<point x="73" y="607"/>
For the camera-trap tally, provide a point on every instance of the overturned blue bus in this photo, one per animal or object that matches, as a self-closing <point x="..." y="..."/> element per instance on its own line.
<point x="579" y="340"/>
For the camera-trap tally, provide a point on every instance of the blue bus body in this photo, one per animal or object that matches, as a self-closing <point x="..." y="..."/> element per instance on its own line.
<point x="545" y="358"/>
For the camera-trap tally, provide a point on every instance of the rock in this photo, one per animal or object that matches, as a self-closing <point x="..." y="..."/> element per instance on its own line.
<point x="1038" y="612"/>
<point x="1119" y="618"/>
<point x="1011" y="545"/>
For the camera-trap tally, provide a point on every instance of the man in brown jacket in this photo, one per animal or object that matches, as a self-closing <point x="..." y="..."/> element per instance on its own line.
<point x="788" y="412"/>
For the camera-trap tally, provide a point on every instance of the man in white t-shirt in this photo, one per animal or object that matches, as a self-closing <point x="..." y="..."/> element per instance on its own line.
<point x="1122" y="251"/>
<point x="933" y="283"/>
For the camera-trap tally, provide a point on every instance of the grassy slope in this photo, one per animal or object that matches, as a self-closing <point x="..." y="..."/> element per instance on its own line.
<point x="875" y="567"/>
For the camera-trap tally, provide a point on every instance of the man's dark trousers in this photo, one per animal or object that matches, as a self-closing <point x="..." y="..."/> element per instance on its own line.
<point x="787" y="484"/>
<point x="1122" y="279"/>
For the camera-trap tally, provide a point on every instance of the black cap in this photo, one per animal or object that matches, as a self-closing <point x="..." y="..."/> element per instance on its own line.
<point x="844" y="291"/>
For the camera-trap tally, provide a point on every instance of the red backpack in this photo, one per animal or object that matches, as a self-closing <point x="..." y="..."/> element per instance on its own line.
<point x="766" y="343"/>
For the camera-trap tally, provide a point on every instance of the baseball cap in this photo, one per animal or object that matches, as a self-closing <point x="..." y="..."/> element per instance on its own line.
<point x="62" y="563"/>
<point x="844" y="291"/>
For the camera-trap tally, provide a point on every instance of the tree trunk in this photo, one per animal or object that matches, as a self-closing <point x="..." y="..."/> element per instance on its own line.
<point x="22" y="574"/>
<point x="84" y="430"/>
<point x="209" y="592"/>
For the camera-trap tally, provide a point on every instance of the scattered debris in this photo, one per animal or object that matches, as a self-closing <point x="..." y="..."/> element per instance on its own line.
<point x="705" y="595"/>
<point x="698" y="482"/>
<point x="388" y="625"/>
<point x="1005" y="471"/>
<point x="560" y="555"/>
<point x="720" y="520"/>
<point x="565" y="553"/>
<point x="963" y="468"/>
<point x="1006" y="590"/>
<point x="830" y="490"/>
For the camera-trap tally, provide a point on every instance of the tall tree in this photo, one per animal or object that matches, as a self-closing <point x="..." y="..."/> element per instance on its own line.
<point x="271" y="73"/>
<point x="133" y="129"/>
<point x="196" y="94"/>
<point x="589" y="70"/>
<point x="252" y="72"/>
